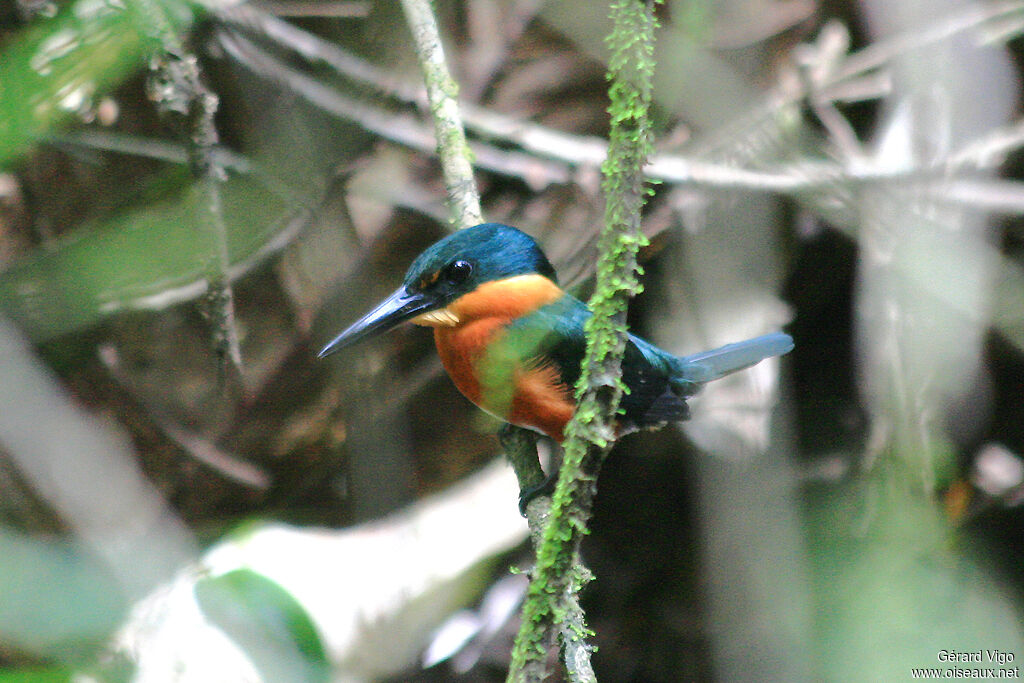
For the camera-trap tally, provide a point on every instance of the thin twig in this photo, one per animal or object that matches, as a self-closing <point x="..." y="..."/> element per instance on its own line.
<point x="401" y="128"/>
<point x="974" y="21"/>
<point x="990" y="150"/>
<point x="442" y="93"/>
<point x="194" y="445"/>
<point x="175" y="85"/>
<point x="814" y="62"/>
<point x="493" y="29"/>
<point x="320" y="52"/>
<point x="552" y="155"/>
<point x="149" y="148"/>
<point x="976" y="17"/>
<point x="335" y="9"/>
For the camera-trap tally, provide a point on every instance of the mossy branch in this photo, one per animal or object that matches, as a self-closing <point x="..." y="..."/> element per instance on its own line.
<point x="442" y="93"/>
<point x="558" y="575"/>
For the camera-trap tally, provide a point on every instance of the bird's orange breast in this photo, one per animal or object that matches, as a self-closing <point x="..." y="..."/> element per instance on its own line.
<point x="513" y="386"/>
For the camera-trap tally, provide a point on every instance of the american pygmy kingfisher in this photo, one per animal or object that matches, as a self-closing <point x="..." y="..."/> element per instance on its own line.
<point x="512" y="340"/>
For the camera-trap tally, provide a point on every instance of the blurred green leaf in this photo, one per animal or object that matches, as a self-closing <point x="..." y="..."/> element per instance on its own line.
<point x="55" y="600"/>
<point x="894" y="584"/>
<point x="267" y="623"/>
<point x="36" y="676"/>
<point x="54" y="69"/>
<point x="149" y="257"/>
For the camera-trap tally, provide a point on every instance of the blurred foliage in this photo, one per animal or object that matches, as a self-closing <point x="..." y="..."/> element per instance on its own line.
<point x="136" y="259"/>
<point x="268" y="624"/>
<point x="54" y="70"/>
<point x="37" y="676"/>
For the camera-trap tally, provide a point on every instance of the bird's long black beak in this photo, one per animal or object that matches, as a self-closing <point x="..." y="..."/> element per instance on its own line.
<point x="401" y="306"/>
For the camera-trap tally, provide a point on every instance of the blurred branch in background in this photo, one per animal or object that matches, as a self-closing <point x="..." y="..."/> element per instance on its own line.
<point x="60" y="596"/>
<point x="175" y="86"/>
<point x="545" y="145"/>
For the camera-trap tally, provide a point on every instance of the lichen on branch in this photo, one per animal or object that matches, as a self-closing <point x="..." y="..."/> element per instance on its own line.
<point x="176" y="86"/>
<point x="557" y="576"/>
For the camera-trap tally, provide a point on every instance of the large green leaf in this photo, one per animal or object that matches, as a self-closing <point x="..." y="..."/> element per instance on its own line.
<point x="144" y="258"/>
<point x="267" y="623"/>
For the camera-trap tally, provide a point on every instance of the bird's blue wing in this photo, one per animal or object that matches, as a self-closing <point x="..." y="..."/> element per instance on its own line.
<point x="554" y="334"/>
<point x="658" y="382"/>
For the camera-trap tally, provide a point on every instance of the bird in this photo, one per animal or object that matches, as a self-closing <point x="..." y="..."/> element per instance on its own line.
<point x="513" y="341"/>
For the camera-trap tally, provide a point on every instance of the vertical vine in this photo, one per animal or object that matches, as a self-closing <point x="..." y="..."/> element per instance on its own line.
<point x="558" y="574"/>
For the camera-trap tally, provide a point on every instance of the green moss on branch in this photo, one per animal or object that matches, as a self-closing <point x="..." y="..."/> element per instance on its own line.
<point x="558" y="574"/>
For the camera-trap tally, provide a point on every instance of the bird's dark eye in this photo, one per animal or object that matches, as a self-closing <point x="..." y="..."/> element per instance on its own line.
<point x="458" y="272"/>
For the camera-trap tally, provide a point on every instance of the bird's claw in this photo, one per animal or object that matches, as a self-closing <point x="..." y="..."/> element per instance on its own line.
<point x="545" y="488"/>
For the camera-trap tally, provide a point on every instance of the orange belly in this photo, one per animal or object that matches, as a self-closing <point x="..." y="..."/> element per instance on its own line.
<point x="542" y="402"/>
<point x="517" y="391"/>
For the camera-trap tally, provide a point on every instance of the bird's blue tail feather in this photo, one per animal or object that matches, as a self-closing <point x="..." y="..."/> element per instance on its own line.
<point x="710" y="365"/>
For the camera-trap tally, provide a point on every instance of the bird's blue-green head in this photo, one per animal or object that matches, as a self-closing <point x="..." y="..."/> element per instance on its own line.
<point x="448" y="270"/>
